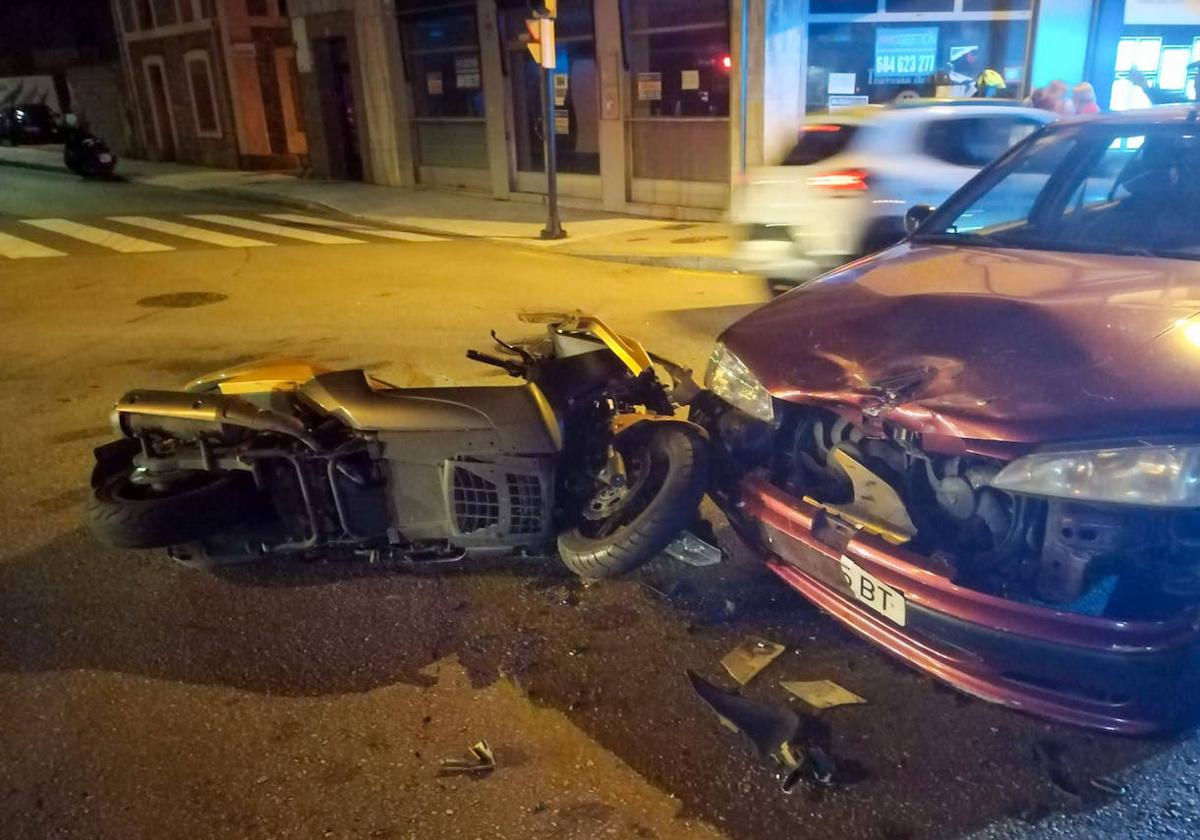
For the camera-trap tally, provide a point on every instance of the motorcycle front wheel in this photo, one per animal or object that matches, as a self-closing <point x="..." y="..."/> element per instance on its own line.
<point x="128" y="514"/>
<point x="667" y="467"/>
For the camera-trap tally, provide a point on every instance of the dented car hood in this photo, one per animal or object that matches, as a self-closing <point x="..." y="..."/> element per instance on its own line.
<point x="1007" y="346"/>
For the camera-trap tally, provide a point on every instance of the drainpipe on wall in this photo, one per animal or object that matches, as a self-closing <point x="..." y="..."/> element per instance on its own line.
<point x="138" y="125"/>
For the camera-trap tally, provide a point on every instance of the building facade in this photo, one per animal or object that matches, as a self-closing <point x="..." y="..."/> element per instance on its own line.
<point x="213" y="82"/>
<point x="661" y="104"/>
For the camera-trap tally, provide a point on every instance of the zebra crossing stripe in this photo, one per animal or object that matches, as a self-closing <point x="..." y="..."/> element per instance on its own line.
<point x="98" y="236"/>
<point x="212" y="237"/>
<point x="313" y="236"/>
<point x="402" y="235"/>
<point x="16" y="248"/>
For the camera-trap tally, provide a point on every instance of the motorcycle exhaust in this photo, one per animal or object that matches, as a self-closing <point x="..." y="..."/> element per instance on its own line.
<point x="192" y="416"/>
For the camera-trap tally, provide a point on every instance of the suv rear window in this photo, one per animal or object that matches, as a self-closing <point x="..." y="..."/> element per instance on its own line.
<point x="820" y="142"/>
<point x="975" y="141"/>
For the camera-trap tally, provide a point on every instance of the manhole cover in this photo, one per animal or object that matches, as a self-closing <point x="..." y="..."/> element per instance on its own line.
<point x="692" y="240"/>
<point x="182" y="300"/>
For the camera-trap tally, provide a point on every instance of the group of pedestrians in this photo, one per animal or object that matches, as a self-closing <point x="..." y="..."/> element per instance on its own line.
<point x="1064" y="101"/>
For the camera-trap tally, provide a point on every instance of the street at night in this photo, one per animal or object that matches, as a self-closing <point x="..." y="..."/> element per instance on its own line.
<point x="143" y="698"/>
<point x="522" y="419"/>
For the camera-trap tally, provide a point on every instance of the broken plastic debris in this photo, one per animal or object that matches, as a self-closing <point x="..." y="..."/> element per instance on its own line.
<point x="693" y="551"/>
<point x="481" y="761"/>
<point x="769" y="728"/>
<point x="746" y="660"/>
<point x="821" y="694"/>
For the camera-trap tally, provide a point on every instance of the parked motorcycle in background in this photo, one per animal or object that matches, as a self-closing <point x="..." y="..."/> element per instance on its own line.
<point x="289" y="459"/>
<point x="84" y="153"/>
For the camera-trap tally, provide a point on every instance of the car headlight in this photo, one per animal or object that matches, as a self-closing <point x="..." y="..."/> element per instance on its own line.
<point x="730" y="379"/>
<point x="1154" y="476"/>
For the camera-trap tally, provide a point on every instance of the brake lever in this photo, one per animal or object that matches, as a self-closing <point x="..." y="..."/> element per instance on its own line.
<point x="524" y="354"/>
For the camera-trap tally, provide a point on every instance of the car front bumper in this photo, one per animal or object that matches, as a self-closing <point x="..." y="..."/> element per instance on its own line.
<point x="1128" y="677"/>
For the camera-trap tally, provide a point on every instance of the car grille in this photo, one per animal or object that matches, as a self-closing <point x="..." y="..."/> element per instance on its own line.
<point x="768" y="233"/>
<point x="476" y="502"/>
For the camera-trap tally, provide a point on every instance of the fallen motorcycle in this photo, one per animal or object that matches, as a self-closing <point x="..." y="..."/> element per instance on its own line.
<point x="289" y="459"/>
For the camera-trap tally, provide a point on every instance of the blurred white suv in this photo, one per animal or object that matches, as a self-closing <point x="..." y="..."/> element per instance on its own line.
<point x="844" y="188"/>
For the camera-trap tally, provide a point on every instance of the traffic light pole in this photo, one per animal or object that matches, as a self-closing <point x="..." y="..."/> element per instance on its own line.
<point x="554" y="228"/>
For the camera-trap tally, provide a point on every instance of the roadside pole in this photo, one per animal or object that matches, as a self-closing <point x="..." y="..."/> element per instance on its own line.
<point x="540" y="43"/>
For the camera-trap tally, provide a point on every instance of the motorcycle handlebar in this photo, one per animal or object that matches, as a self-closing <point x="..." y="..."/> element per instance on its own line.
<point x="511" y="368"/>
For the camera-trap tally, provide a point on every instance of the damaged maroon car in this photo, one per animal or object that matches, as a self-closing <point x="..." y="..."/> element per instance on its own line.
<point x="980" y="449"/>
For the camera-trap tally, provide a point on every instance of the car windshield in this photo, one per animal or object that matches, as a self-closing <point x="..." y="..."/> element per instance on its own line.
<point x="1099" y="188"/>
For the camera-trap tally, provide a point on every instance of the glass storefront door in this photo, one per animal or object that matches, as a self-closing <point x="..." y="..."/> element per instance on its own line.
<point x="576" y="122"/>
<point x="441" y="49"/>
<point x="875" y="51"/>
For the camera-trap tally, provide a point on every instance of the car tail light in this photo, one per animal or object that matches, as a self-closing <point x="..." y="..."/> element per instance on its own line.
<point x="842" y="180"/>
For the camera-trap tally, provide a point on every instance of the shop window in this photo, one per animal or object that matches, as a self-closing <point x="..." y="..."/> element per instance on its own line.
<point x="576" y="121"/>
<point x="443" y="62"/>
<point x="165" y="13"/>
<point x="919" y="5"/>
<point x="843" y="7"/>
<point x="204" y="99"/>
<point x="997" y="5"/>
<point x="679" y="58"/>
<point x="924" y="58"/>
<point x="975" y="141"/>
<point x="680" y="67"/>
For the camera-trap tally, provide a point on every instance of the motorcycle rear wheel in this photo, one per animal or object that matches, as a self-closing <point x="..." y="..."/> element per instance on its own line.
<point x="677" y="460"/>
<point x="124" y="514"/>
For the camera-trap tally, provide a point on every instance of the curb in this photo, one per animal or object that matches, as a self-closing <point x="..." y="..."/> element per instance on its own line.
<point x="690" y="262"/>
<point x="28" y="164"/>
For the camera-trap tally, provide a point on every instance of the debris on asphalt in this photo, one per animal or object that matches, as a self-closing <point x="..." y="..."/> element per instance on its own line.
<point x="821" y="694"/>
<point x="771" y="729"/>
<point x="481" y="760"/>
<point x="1108" y="785"/>
<point x="746" y="660"/>
<point x="814" y="766"/>
<point x="693" y="551"/>
<point x="1049" y="755"/>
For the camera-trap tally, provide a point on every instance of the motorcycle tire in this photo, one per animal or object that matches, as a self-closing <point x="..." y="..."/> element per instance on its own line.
<point x="681" y="454"/>
<point x="125" y="515"/>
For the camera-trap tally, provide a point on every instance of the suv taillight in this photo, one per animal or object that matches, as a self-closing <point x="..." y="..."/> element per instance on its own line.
<point x="841" y="180"/>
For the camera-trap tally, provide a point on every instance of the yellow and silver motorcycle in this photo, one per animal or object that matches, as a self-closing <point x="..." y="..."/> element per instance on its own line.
<point x="289" y="459"/>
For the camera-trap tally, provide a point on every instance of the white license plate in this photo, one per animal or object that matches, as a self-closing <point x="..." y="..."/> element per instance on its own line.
<point x="877" y="595"/>
<point x="106" y="158"/>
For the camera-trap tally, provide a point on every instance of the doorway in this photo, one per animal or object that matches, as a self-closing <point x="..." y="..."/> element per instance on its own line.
<point x="338" y="113"/>
<point x="160" y="108"/>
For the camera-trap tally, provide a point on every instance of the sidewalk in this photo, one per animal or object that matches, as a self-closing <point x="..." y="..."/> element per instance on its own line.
<point x="591" y="233"/>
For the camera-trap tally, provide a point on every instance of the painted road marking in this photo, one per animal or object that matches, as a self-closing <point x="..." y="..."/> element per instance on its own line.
<point x="99" y="236"/>
<point x="20" y="249"/>
<point x="212" y="237"/>
<point x="403" y="235"/>
<point x="313" y="236"/>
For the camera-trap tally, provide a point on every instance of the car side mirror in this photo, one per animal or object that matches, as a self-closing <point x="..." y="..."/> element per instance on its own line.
<point x="915" y="216"/>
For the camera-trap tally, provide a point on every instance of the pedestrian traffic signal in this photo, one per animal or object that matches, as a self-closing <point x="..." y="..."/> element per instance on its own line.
<point x="540" y="40"/>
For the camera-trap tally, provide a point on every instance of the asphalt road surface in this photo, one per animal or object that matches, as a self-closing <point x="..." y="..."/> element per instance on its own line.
<point x="139" y="698"/>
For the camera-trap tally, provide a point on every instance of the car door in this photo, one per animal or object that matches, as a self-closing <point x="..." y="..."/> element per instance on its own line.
<point x="953" y="148"/>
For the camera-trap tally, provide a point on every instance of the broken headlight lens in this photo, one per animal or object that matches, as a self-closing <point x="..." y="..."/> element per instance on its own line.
<point x="730" y="379"/>
<point x="1152" y="476"/>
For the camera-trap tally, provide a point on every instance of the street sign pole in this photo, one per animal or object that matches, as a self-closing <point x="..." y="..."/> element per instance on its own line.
<point x="553" y="229"/>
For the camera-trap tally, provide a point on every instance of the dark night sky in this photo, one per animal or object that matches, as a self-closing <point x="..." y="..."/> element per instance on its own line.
<point x="30" y="26"/>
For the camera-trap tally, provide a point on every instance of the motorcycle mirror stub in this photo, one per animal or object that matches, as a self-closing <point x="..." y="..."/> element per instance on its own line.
<point x="916" y="216"/>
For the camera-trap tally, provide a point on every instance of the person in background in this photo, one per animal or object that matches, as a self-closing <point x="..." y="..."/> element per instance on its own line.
<point x="1158" y="96"/>
<point x="1053" y="97"/>
<point x="1084" y="97"/>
